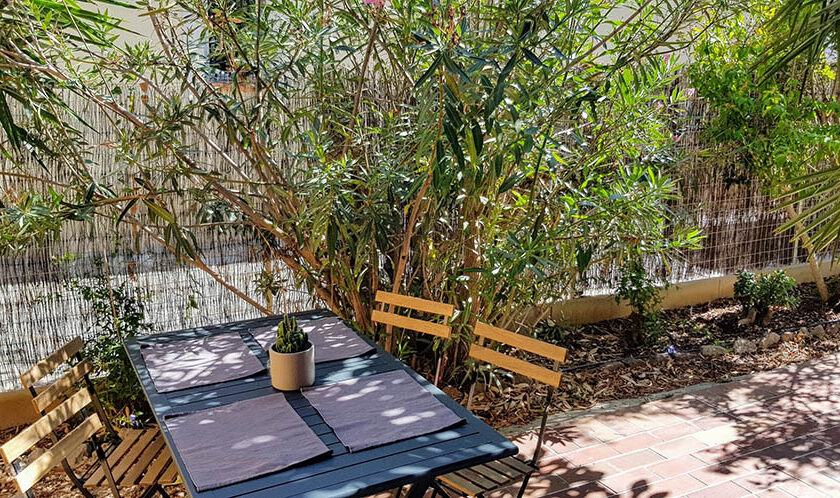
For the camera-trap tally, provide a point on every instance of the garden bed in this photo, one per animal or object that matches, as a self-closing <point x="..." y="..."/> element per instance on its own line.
<point x="602" y="367"/>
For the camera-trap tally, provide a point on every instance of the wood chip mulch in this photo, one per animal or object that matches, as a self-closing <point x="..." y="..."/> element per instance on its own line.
<point x="649" y="370"/>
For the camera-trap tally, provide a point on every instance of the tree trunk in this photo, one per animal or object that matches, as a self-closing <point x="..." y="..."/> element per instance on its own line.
<point x="812" y="259"/>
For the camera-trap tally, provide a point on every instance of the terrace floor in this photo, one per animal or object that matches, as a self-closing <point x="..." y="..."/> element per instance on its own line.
<point x="776" y="433"/>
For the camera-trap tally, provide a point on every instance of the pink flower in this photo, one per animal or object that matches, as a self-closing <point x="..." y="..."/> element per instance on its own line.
<point x="376" y="3"/>
<point x="676" y="138"/>
<point x="689" y="92"/>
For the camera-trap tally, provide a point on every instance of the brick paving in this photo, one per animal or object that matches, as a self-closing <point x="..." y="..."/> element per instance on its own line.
<point x="776" y="434"/>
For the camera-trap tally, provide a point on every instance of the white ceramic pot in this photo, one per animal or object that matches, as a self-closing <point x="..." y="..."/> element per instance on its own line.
<point x="291" y="371"/>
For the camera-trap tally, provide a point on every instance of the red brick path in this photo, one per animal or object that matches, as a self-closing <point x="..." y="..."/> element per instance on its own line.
<point x="775" y="434"/>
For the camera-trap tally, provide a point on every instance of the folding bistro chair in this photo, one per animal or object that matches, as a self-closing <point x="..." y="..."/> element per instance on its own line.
<point x="386" y="317"/>
<point x="14" y="450"/>
<point x="134" y="457"/>
<point x="482" y="479"/>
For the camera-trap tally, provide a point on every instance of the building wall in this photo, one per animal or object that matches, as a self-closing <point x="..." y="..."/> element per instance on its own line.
<point x="138" y="28"/>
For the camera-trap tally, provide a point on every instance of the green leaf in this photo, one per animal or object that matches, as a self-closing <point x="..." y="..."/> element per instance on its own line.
<point x="452" y="137"/>
<point x="332" y="238"/>
<point x="501" y="84"/>
<point x="478" y="138"/>
<point x="583" y="256"/>
<point x="159" y="211"/>
<point x="510" y="182"/>
<point x="125" y="210"/>
<point x="531" y="56"/>
<point x="8" y="122"/>
<point x="455" y="68"/>
<point x="428" y="72"/>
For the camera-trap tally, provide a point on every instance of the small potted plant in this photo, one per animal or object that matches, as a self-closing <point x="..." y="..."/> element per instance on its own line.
<point x="291" y="358"/>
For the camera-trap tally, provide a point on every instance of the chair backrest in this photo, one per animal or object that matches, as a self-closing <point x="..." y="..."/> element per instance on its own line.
<point x="550" y="377"/>
<point x="60" y="389"/>
<point x="49" y="364"/>
<point x="387" y="317"/>
<point x="18" y="446"/>
<point x="391" y="319"/>
<point x="547" y="376"/>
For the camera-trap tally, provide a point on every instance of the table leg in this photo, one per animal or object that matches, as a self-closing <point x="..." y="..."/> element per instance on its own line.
<point x="419" y="488"/>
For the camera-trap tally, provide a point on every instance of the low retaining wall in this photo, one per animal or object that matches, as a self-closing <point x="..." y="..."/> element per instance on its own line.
<point x="16" y="409"/>
<point x="593" y="309"/>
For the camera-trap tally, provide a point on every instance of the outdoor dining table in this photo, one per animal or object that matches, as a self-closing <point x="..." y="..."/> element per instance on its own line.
<point x="414" y="462"/>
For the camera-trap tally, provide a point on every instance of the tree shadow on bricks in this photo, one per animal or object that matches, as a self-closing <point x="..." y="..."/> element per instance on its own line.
<point x="774" y="429"/>
<point x="786" y="433"/>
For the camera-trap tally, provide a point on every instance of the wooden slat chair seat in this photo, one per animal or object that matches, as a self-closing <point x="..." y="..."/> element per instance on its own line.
<point x="480" y="480"/>
<point x="140" y="459"/>
<point x="135" y="458"/>
<point x="487" y="477"/>
<point x="388" y="301"/>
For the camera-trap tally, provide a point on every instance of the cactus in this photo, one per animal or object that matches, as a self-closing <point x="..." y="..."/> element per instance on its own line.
<point x="290" y="338"/>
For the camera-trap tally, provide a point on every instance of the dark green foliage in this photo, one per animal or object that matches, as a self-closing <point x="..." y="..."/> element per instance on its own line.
<point x="766" y="127"/>
<point x="290" y="338"/>
<point x="636" y="287"/>
<point x="29" y="221"/>
<point x="550" y="331"/>
<point x="767" y="77"/>
<point x="745" y="288"/>
<point x="804" y="35"/>
<point x="764" y="291"/>
<point x="36" y="123"/>
<point x="484" y="155"/>
<point x="639" y="290"/>
<point x="118" y="313"/>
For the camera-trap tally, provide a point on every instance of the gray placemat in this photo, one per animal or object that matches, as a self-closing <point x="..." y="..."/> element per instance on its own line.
<point x="242" y="440"/>
<point x="199" y="362"/>
<point x="333" y="339"/>
<point x="379" y="409"/>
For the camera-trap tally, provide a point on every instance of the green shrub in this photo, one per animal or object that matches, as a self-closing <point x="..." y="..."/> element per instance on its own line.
<point x="118" y="313"/>
<point x="762" y="292"/>
<point x="639" y="290"/>
<point x="550" y="331"/>
<point x="290" y="338"/>
<point x="746" y="288"/>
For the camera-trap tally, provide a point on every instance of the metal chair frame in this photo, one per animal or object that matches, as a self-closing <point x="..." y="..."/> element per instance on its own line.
<point x="549" y="377"/>
<point x="74" y="347"/>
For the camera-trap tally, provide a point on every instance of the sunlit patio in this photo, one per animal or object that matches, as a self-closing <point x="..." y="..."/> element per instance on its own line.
<point x="775" y="433"/>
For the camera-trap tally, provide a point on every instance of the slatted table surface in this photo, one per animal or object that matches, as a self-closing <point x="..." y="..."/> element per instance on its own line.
<point x="415" y="461"/>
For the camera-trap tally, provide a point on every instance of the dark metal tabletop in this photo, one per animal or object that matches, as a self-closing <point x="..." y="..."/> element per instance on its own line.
<point x="416" y="461"/>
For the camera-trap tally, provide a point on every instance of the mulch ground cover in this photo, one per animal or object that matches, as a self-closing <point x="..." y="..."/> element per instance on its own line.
<point x="604" y="368"/>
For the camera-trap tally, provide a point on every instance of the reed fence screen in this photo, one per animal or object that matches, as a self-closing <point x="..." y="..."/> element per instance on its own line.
<point x="40" y="312"/>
